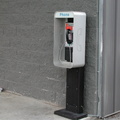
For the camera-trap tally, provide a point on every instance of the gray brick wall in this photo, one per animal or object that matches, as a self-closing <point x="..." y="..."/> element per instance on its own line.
<point x="26" y="47"/>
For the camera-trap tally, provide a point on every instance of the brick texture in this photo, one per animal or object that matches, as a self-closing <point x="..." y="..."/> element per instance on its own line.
<point x="26" y="49"/>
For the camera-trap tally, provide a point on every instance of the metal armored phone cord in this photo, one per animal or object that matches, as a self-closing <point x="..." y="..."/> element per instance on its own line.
<point x="70" y="53"/>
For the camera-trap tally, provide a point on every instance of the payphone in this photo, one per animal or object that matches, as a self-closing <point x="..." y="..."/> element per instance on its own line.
<point x="69" y="39"/>
<point x="69" y="52"/>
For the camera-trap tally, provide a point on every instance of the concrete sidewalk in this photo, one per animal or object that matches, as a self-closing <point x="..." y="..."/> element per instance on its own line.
<point x="17" y="107"/>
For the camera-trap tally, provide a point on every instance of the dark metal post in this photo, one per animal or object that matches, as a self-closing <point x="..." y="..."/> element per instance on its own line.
<point x="74" y="95"/>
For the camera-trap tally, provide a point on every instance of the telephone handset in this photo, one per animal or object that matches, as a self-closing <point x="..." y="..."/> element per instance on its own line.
<point x="69" y="36"/>
<point x="68" y="42"/>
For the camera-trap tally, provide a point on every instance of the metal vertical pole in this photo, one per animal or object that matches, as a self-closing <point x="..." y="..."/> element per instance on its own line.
<point x="74" y="95"/>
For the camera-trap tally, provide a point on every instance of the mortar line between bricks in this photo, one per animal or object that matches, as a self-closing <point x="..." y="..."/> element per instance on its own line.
<point x="38" y="14"/>
<point x="29" y="73"/>
<point x="29" y="63"/>
<point x="24" y="49"/>
<point x="30" y="86"/>
<point x="25" y="73"/>
<point x="27" y="25"/>
<point x="48" y="24"/>
<point x="40" y="65"/>
<point x="23" y="62"/>
<point x="14" y="48"/>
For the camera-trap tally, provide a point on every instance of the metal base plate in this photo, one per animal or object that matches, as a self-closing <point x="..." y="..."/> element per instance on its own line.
<point x="70" y="115"/>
